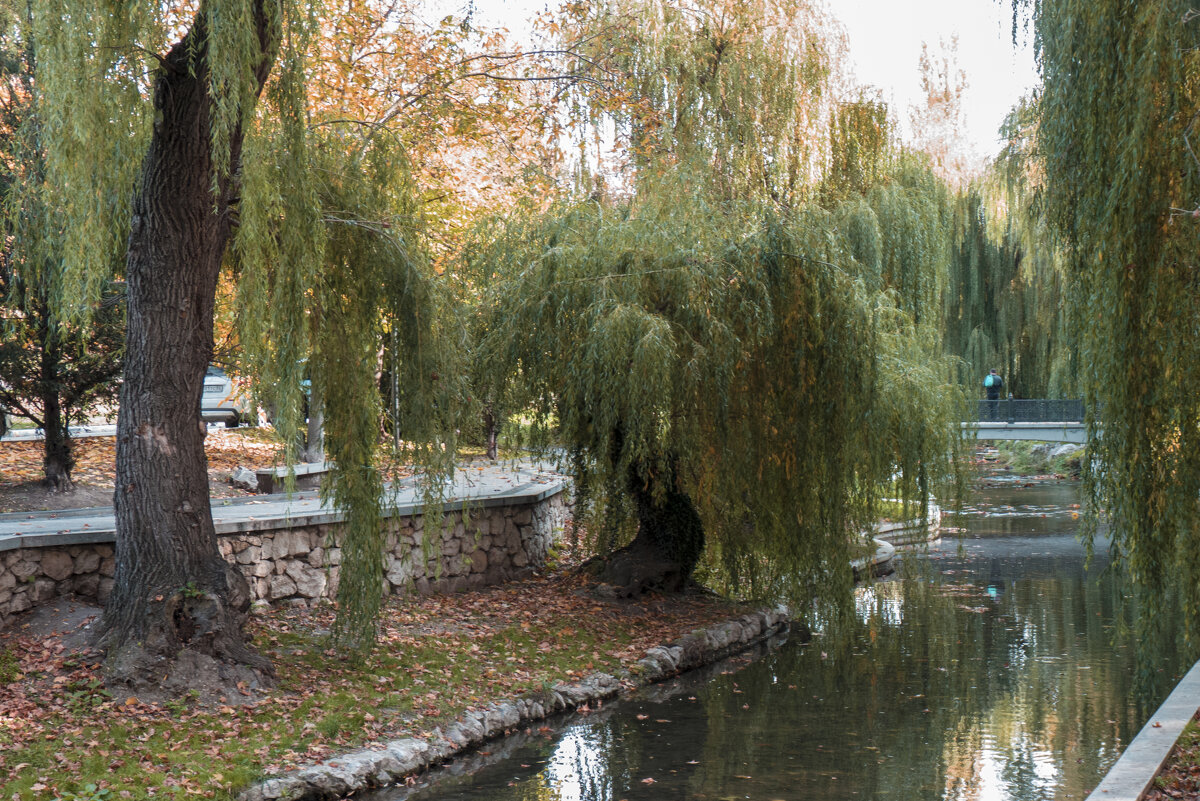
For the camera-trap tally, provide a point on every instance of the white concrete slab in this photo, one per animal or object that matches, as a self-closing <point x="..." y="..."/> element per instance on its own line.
<point x="1132" y="774"/>
<point x="1040" y="432"/>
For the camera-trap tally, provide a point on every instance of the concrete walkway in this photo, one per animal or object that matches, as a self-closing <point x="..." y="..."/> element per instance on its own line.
<point x="492" y="484"/>
<point x="77" y="432"/>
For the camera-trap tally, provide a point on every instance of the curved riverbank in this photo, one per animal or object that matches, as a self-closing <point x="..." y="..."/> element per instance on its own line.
<point x="440" y="660"/>
<point x="393" y="761"/>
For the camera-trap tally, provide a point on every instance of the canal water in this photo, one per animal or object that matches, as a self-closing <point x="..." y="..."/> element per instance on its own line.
<point x="988" y="670"/>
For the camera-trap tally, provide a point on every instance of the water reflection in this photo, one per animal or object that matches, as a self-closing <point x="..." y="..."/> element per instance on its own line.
<point x="989" y="672"/>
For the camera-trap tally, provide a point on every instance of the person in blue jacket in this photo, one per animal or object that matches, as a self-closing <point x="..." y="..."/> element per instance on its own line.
<point x="992" y="384"/>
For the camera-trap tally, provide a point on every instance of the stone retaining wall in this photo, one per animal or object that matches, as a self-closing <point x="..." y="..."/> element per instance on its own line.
<point x="29" y="576"/>
<point x="912" y="532"/>
<point x="475" y="548"/>
<point x="485" y="543"/>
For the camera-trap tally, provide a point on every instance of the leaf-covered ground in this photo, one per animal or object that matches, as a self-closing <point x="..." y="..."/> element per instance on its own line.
<point x="1180" y="776"/>
<point x="95" y="469"/>
<point x="437" y="657"/>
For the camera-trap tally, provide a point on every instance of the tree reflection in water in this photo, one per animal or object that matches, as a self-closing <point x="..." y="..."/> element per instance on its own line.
<point x="991" y="671"/>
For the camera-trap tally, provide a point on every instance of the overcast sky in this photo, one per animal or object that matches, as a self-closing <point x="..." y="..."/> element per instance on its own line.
<point x="885" y="45"/>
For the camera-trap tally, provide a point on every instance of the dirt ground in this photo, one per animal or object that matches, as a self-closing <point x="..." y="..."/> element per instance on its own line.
<point x="21" y="469"/>
<point x="66" y="619"/>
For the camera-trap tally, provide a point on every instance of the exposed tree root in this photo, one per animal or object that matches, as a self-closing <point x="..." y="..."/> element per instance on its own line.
<point x="663" y="555"/>
<point x="190" y="644"/>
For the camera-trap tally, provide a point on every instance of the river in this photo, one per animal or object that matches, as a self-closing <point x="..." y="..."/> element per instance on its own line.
<point x="988" y="671"/>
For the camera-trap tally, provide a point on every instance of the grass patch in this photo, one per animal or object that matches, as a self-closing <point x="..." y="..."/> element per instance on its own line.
<point x="10" y="667"/>
<point x="897" y="511"/>
<point x="437" y="658"/>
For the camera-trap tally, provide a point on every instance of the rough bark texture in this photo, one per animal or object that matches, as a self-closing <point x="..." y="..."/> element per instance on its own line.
<point x="174" y="620"/>
<point x="57" y="459"/>
<point x="491" y="430"/>
<point x="666" y="548"/>
<point x="313" y="449"/>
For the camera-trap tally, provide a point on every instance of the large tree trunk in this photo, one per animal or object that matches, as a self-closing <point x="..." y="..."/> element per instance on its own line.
<point x="174" y="620"/>
<point x="666" y="548"/>
<point x="57" y="460"/>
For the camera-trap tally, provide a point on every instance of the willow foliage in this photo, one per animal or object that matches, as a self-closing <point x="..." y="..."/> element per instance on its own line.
<point x="327" y="248"/>
<point x="913" y="212"/>
<point x="894" y="211"/>
<point x="329" y="270"/>
<point x="87" y="78"/>
<point x="730" y="352"/>
<point x="1007" y="300"/>
<point x="1117" y="144"/>
<point x="737" y="91"/>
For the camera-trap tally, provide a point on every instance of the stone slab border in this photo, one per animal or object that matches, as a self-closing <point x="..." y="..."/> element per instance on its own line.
<point x="494" y="526"/>
<point x="877" y="564"/>
<point x="307" y="475"/>
<point x="1131" y="776"/>
<point x="912" y="532"/>
<point x="528" y="492"/>
<point x="391" y="762"/>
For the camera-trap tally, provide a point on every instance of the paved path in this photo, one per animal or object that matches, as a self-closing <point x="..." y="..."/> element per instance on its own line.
<point x="77" y="432"/>
<point x="488" y="484"/>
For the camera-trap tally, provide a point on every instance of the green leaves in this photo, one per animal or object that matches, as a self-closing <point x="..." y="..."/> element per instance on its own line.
<point x="730" y="352"/>
<point x="1115" y="140"/>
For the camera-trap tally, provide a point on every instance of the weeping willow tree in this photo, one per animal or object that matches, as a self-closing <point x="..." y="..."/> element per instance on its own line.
<point x="894" y="211"/>
<point x="369" y="284"/>
<point x="734" y="391"/>
<point x="740" y="87"/>
<point x="1008" y="302"/>
<point x="734" y="386"/>
<point x="894" y="214"/>
<point x="325" y="251"/>
<point x="176" y="609"/>
<point x="1116" y="140"/>
<point x="54" y="370"/>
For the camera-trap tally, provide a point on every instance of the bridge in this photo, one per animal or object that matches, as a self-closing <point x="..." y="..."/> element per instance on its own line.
<point x="1041" y="420"/>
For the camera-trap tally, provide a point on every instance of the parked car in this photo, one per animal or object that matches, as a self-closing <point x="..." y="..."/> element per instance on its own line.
<point x="222" y="402"/>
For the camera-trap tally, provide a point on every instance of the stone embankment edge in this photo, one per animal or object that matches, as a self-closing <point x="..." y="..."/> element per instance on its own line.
<point x="392" y="762"/>
<point x="1131" y="776"/>
<point x="912" y="532"/>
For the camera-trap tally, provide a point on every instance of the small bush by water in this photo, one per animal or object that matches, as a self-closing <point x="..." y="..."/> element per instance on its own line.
<point x="1036" y="458"/>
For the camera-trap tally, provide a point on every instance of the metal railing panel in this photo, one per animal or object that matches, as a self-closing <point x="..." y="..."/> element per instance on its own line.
<point x="1030" y="410"/>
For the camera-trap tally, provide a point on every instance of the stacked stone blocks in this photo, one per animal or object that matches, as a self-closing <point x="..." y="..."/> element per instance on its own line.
<point x="475" y="546"/>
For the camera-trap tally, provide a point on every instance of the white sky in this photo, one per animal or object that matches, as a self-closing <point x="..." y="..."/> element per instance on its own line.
<point x="885" y="45"/>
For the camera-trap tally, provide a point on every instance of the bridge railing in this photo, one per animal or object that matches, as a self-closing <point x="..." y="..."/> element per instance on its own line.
<point x="1030" y="410"/>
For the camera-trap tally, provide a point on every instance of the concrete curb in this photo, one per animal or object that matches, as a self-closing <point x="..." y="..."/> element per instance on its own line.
<point x="877" y="564"/>
<point x="253" y="515"/>
<point x="1131" y="776"/>
<point x="912" y="532"/>
<point x="391" y="762"/>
